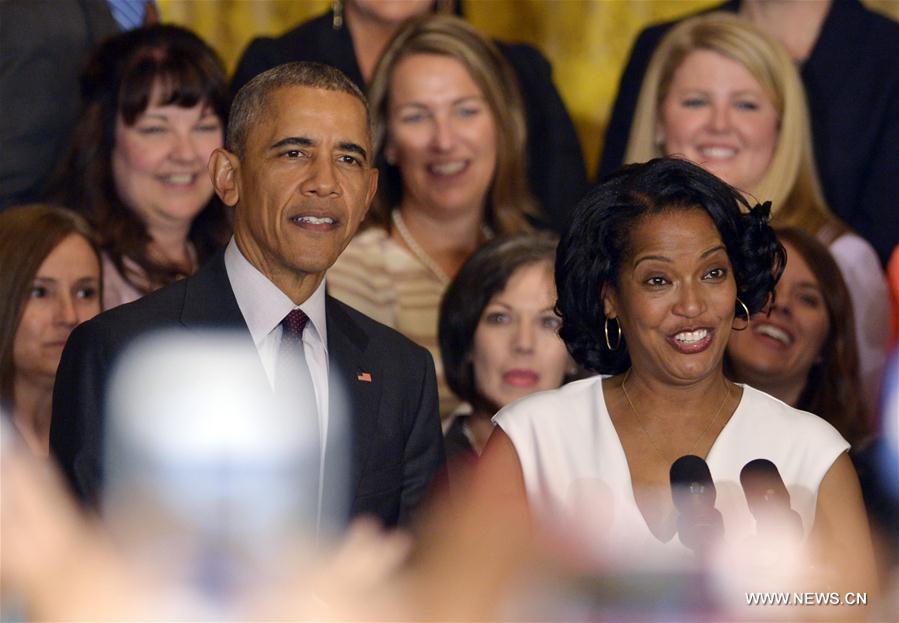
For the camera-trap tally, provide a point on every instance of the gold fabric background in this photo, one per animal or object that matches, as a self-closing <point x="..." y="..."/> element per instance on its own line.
<point x="587" y="41"/>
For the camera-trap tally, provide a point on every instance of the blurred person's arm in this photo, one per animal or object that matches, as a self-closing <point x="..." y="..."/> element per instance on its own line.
<point x="474" y="548"/>
<point x="54" y="561"/>
<point x="499" y="472"/>
<point x="841" y="538"/>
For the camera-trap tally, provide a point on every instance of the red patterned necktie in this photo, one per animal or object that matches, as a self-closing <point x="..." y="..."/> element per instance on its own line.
<point x="293" y="325"/>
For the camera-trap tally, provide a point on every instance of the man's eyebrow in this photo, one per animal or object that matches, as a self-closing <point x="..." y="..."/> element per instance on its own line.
<point x="293" y="141"/>
<point x="303" y="141"/>
<point x="353" y="148"/>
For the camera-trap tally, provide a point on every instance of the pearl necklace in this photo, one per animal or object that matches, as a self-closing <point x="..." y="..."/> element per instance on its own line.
<point x="420" y="253"/>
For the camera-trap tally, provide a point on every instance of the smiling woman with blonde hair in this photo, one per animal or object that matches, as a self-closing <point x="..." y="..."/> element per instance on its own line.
<point x="449" y="132"/>
<point x="727" y="96"/>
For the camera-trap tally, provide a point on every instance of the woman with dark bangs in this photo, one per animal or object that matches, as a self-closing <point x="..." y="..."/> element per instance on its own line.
<point x="154" y="107"/>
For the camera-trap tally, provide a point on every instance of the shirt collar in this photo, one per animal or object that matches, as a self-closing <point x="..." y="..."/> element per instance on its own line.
<point x="263" y="304"/>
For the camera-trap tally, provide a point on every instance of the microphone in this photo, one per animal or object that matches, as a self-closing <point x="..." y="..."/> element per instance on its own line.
<point x="699" y="523"/>
<point x="769" y="501"/>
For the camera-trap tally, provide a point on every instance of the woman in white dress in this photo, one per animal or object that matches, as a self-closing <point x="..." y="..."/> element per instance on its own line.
<point x="661" y="262"/>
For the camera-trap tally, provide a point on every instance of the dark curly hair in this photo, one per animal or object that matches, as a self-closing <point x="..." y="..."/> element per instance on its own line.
<point x="598" y="241"/>
<point x="119" y="79"/>
<point x="483" y="276"/>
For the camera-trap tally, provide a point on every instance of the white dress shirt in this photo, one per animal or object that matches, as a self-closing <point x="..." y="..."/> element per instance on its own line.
<point x="264" y="306"/>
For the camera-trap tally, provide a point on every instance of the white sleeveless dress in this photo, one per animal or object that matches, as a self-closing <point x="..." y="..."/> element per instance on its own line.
<point x="576" y="473"/>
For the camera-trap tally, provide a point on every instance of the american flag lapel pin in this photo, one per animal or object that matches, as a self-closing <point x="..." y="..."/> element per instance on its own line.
<point x="365" y="377"/>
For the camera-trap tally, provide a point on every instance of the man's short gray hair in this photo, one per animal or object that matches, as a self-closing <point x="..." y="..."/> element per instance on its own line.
<point x="251" y="101"/>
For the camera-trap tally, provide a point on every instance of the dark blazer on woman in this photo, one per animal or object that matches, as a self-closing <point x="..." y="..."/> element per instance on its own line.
<point x="556" y="170"/>
<point x="851" y="79"/>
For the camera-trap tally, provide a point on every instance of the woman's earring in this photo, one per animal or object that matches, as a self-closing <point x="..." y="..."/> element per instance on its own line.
<point x="337" y="14"/>
<point x="745" y="311"/>
<point x="660" y="142"/>
<point x="605" y="329"/>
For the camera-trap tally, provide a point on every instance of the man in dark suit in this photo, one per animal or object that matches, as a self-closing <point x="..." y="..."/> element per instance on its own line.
<point x="297" y="168"/>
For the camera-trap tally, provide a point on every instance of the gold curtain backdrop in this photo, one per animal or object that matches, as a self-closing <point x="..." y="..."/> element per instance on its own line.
<point x="587" y="41"/>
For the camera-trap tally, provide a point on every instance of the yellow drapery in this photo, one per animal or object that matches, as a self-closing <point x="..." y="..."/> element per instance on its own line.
<point x="587" y="41"/>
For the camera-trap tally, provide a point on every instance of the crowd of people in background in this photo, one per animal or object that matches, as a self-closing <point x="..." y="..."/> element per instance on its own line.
<point x="403" y="202"/>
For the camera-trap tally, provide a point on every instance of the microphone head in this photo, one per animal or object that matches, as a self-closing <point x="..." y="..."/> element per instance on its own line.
<point x="692" y="488"/>
<point x="699" y="523"/>
<point x="769" y="500"/>
<point x="762" y="483"/>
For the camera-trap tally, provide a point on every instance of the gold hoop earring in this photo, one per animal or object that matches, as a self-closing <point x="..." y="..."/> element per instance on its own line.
<point x="605" y="329"/>
<point x="746" y="311"/>
<point x="337" y="14"/>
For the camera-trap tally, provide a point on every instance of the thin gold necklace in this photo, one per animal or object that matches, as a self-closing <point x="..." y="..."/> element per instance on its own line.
<point x="658" y="450"/>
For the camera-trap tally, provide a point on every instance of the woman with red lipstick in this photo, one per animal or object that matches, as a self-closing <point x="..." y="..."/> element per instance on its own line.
<point x="802" y="350"/>
<point x="154" y="107"/>
<point x="450" y="134"/>
<point x="664" y="260"/>
<point x="49" y="284"/>
<point x="499" y="336"/>
<point x="728" y="97"/>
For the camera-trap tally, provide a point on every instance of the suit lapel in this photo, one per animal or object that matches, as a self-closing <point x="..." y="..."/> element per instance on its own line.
<point x="209" y="300"/>
<point x="209" y="304"/>
<point x="354" y="409"/>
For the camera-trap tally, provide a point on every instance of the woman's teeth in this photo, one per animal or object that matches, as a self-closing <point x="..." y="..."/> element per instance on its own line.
<point x="449" y="168"/>
<point x="718" y="152"/>
<point x="691" y="337"/>
<point x="775" y="333"/>
<point x="179" y="178"/>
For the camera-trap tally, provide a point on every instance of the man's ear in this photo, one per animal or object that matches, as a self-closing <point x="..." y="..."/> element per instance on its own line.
<point x="224" y="168"/>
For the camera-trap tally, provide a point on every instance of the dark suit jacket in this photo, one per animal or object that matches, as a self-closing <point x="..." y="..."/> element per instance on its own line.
<point x="44" y="45"/>
<point x="852" y="82"/>
<point x="556" y="171"/>
<point x="397" y="444"/>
